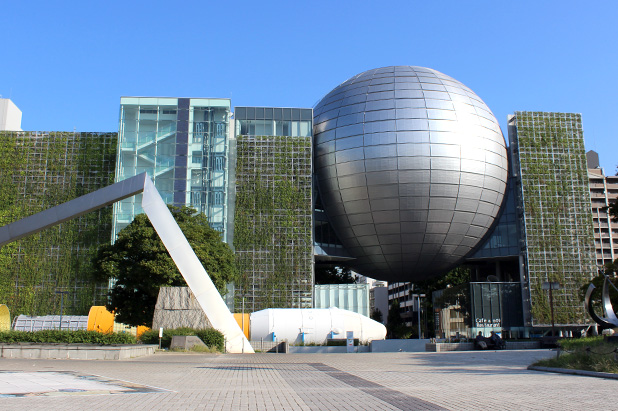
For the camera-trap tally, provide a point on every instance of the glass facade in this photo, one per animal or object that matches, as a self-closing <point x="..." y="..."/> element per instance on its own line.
<point x="183" y="145"/>
<point x="504" y="239"/>
<point x="39" y="170"/>
<point x="495" y="306"/>
<point x="273" y="220"/>
<point x="351" y="297"/>
<point x="554" y="213"/>
<point x="273" y="121"/>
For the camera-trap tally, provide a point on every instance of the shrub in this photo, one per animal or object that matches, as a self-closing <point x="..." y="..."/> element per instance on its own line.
<point x="210" y="336"/>
<point x="66" y="337"/>
<point x="590" y="354"/>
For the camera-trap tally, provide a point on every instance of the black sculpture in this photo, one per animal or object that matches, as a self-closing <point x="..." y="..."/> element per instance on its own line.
<point x="610" y="320"/>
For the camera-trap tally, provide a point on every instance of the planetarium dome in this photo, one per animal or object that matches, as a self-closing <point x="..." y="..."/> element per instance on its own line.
<point x="412" y="170"/>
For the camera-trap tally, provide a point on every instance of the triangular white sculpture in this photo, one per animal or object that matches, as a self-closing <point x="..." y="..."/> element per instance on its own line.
<point x="164" y="224"/>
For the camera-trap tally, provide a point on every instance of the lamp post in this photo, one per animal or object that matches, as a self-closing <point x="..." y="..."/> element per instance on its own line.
<point x="418" y="311"/>
<point x="62" y="293"/>
<point x="551" y="285"/>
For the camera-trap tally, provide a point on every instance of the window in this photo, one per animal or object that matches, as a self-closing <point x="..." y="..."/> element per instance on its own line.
<point x="196" y="157"/>
<point x="219" y="163"/>
<point x="217" y="198"/>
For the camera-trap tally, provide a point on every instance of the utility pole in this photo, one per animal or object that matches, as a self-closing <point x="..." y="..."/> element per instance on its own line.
<point x="551" y="285"/>
<point x="418" y="312"/>
<point x="62" y="293"/>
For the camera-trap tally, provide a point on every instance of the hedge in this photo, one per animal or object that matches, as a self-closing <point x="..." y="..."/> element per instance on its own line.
<point x="66" y="337"/>
<point x="210" y="337"/>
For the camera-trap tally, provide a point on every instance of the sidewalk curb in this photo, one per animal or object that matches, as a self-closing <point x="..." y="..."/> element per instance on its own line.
<point x="575" y="372"/>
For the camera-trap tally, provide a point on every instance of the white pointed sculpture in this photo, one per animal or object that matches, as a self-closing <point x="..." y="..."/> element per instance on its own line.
<point x="164" y="224"/>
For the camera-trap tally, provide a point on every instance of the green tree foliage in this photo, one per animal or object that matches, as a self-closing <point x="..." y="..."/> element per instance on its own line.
<point x="333" y="274"/>
<point x="376" y="315"/>
<point x="396" y="327"/>
<point x="139" y="264"/>
<point x="456" y="292"/>
<point x="613" y="209"/>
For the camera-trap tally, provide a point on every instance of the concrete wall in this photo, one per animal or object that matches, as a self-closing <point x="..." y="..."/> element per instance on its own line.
<point x="469" y="346"/>
<point x="75" y="351"/>
<point x="326" y="349"/>
<point x="399" y="345"/>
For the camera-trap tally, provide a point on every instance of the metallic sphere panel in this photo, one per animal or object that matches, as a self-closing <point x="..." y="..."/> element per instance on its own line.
<point x="412" y="170"/>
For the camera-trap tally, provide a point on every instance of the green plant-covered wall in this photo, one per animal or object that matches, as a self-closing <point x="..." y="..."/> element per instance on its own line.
<point x="273" y="221"/>
<point x="557" y="215"/>
<point x="39" y="170"/>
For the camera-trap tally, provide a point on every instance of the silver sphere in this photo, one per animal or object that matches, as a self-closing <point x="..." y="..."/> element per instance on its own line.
<point x="412" y="170"/>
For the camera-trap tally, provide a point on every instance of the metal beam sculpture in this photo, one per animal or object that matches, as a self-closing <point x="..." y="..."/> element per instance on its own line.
<point x="166" y="227"/>
<point x="610" y="320"/>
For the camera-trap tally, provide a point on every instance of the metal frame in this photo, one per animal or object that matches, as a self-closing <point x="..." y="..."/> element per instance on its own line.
<point x="164" y="224"/>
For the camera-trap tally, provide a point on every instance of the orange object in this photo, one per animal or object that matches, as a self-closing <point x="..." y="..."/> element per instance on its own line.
<point x="141" y="329"/>
<point x="101" y="320"/>
<point x="244" y="327"/>
<point x="5" y="318"/>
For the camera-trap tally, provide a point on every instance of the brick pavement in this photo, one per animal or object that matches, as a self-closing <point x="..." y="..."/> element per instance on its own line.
<point x="380" y="381"/>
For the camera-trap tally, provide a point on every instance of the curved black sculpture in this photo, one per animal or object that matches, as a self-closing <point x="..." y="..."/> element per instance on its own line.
<point x="610" y="320"/>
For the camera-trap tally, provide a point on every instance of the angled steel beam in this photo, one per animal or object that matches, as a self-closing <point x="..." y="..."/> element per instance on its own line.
<point x="72" y="209"/>
<point x="164" y="224"/>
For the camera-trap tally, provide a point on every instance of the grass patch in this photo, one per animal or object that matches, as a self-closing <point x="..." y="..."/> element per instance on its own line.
<point x="197" y="348"/>
<point x="588" y="354"/>
<point x="204" y="349"/>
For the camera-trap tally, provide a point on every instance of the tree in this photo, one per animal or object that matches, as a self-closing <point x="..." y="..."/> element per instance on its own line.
<point x="395" y="325"/>
<point x="139" y="264"/>
<point x="456" y="292"/>
<point x="376" y="315"/>
<point x="333" y="274"/>
<point x="613" y="208"/>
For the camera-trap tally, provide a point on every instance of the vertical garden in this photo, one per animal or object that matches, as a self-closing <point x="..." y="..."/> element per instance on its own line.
<point x="39" y="170"/>
<point x="273" y="221"/>
<point x="557" y="213"/>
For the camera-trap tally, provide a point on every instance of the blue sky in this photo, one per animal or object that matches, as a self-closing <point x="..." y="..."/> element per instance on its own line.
<point x="66" y="63"/>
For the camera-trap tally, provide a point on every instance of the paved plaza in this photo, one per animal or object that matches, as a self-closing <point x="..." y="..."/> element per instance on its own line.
<point x="472" y="380"/>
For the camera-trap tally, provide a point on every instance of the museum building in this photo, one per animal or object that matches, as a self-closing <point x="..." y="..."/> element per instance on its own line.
<point x="402" y="172"/>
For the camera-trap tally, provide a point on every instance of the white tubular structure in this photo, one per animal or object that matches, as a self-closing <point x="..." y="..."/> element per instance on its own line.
<point x="313" y="325"/>
<point x="164" y="224"/>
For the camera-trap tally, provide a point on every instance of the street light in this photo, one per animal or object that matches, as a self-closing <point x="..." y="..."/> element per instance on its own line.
<point x="551" y="285"/>
<point x="62" y="293"/>
<point x="418" y="312"/>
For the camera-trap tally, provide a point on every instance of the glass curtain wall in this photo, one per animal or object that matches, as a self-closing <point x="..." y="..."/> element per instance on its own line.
<point x="182" y="144"/>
